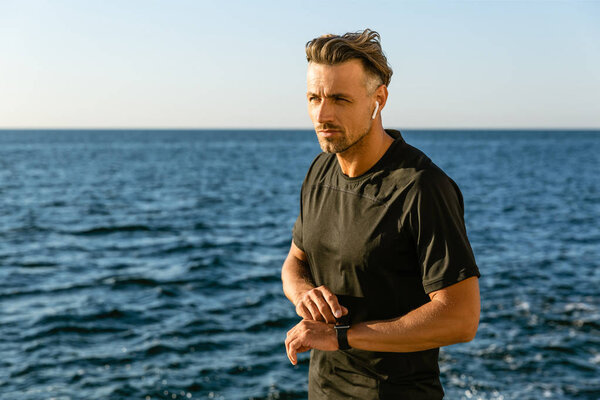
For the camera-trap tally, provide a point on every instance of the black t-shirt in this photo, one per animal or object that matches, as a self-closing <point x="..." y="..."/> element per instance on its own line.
<point x="381" y="242"/>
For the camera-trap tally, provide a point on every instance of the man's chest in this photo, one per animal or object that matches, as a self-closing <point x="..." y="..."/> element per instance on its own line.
<point x="353" y="239"/>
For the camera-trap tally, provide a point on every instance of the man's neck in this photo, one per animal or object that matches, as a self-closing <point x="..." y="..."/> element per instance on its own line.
<point x="363" y="155"/>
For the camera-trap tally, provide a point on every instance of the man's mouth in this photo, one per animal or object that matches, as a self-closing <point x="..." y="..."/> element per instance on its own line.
<point x="328" y="132"/>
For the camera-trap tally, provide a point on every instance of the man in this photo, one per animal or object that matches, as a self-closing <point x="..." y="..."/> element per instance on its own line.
<point x="380" y="241"/>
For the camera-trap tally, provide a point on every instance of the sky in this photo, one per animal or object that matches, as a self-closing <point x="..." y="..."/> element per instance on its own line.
<point x="241" y="64"/>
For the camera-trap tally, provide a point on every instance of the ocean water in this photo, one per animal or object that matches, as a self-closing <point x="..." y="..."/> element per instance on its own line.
<point x="146" y="264"/>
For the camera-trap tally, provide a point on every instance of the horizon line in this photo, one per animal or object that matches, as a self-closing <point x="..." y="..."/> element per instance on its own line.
<point x="292" y="129"/>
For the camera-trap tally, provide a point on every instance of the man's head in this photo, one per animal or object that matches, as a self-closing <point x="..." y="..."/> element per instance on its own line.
<point x="363" y="46"/>
<point x="347" y="81"/>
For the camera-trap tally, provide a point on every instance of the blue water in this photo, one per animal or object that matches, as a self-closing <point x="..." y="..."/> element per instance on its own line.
<point x="146" y="264"/>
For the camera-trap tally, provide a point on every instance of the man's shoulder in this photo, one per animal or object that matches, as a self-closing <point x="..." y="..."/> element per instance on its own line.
<point x="412" y="166"/>
<point x="413" y="163"/>
<point x="432" y="184"/>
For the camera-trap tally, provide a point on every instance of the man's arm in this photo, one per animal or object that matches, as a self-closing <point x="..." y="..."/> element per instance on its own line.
<point x="452" y="316"/>
<point x="295" y="274"/>
<point x="312" y="303"/>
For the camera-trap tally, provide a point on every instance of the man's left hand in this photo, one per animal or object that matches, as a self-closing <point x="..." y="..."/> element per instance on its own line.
<point x="308" y="334"/>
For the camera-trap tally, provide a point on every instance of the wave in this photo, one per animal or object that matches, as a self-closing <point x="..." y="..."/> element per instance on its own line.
<point x="107" y="230"/>
<point x="36" y="264"/>
<point x="72" y="329"/>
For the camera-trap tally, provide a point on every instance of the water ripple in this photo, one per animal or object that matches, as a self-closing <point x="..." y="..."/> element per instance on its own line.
<point x="152" y="270"/>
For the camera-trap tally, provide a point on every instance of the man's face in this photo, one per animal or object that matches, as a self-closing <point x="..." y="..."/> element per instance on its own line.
<point x="339" y="104"/>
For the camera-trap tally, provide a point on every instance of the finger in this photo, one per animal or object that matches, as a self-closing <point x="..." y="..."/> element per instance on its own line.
<point x="300" y="348"/>
<point x="332" y="300"/>
<point x="290" y="332"/>
<point x="303" y="312"/>
<point x="291" y="335"/>
<point x="288" y="342"/>
<point x="323" y="306"/>
<point x="292" y="354"/>
<point x="313" y="309"/>
<point x="344" y="310"/>
<point x="287" y="352"/>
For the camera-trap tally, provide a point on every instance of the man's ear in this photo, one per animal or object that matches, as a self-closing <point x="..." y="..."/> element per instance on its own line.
<point x="381" y="95"/>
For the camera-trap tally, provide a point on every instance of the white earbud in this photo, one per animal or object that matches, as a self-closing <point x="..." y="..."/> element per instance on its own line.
<point x="375" y="111"/>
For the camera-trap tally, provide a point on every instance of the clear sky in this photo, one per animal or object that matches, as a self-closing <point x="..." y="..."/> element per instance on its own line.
<point x="241" y="64"/>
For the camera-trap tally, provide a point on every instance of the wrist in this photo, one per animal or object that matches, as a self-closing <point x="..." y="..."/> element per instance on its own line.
<point x="341" y="327"/>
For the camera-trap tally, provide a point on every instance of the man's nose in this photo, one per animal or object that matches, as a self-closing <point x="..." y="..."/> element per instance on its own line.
<point x="325" y="112"/>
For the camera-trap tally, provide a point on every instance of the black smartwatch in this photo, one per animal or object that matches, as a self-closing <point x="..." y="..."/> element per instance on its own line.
<point x="342" y="325"/>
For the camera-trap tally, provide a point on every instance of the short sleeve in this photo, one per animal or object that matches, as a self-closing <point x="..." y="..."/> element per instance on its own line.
<point x="297" y="229"/>
<point x="436" y="222"/>
<point x="297" y="232"/>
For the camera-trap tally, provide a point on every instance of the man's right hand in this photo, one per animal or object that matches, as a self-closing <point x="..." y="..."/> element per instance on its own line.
<point x="319" y="304"/>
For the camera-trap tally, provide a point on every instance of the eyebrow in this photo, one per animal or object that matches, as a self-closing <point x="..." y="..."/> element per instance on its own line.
<point x="332" y="95"/>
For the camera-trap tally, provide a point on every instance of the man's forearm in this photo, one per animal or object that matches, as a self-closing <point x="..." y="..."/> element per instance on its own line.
<point x="443" y="321"/>
<point x="425" y="328"/>
<point x="296" y="278"/>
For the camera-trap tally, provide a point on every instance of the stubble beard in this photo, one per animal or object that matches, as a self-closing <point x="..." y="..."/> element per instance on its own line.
<point x="341" y="144"/>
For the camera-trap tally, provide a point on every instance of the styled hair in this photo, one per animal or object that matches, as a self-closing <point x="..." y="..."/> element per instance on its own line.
<point x="365" y="46"/>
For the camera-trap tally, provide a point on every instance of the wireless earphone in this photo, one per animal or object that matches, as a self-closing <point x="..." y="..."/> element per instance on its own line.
<point x="375" y="111"/>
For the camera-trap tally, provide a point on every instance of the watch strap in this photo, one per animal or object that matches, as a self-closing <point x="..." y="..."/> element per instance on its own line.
<point x="342" y="336"/>
<point x="342" y="324"/>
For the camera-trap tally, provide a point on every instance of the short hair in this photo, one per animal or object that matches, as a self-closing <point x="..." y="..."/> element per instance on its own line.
<point x="365" y="46"/>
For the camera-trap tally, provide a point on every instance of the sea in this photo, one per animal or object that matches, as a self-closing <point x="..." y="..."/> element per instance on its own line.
<point x="145" y="264"/>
